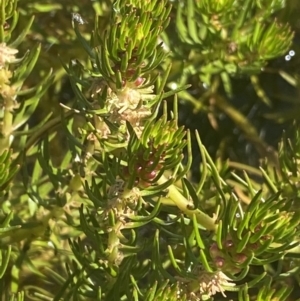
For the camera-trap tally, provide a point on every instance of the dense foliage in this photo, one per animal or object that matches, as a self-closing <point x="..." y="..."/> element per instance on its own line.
<point x="149" y="150"/>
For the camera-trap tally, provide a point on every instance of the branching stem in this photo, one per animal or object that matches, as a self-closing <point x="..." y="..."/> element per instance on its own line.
<point x="183" y="204"/>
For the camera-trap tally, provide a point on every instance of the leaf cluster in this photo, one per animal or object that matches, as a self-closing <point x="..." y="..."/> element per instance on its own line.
<point x="117" y="216"/>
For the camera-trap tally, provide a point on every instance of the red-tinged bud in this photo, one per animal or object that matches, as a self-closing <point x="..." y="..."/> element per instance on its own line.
<point x="253" y="246"/>
<point x="240" y="258"/>
<point x="139" y="81"/>
<point x="214" y="250"/>
<point x="150" y="176"/>
<point x="149" y="163"/>
<point x="130" y="73"/>
<point x="219" y="261"/>
<point x="228" y="243"/>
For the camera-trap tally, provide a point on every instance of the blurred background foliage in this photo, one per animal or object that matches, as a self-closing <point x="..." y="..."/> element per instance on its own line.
<point x="240" y="118"/>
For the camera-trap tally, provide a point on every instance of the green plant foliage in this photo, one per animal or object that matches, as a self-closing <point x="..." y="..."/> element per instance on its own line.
<point x="222" y="39"/>
<point x="98" y="194"/>
<point x="218" y="41"/>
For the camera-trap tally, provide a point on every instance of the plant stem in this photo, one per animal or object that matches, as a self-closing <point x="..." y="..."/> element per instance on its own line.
<point x="183" y="204"/>
<point x="6" y="125"/>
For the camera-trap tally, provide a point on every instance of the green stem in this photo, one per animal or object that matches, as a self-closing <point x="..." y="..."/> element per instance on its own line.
<point x="183" y="204"/>
<point x="6" y="125"/>
<point x="113" y="244"/>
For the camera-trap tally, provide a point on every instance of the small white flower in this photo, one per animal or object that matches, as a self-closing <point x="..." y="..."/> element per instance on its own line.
<point x="207" y="285"/>
<point x="7" y="54"/>
<point x="212" y="283"/>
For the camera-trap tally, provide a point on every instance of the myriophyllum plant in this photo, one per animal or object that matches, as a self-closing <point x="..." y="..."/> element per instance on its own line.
<point x="144" y="222"/>
<point x="137" y="227"/>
